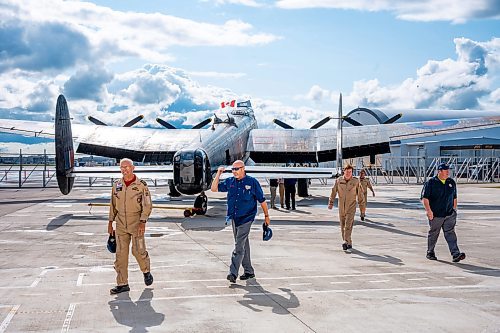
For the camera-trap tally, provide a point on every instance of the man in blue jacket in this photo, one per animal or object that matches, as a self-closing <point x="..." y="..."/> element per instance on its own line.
<point x="439" y="197"/>
<point x="243" y="192"/>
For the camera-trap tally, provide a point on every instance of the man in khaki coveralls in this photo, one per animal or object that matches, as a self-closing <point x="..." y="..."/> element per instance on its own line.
<point x="365" y="185"/>
<point x="348" y="188"/>
<point x="130" y="207"/>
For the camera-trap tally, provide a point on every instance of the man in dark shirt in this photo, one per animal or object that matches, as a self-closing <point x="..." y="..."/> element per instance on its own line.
<point x="290" y="192"/>
<point x="273" y="185"/>
<point x="243" y="192"/>
<point x="439" y="197"/>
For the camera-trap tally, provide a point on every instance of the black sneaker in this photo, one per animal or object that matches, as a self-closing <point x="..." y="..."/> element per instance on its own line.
<point x="349" y="248"/>
<point x="247" y="276"/>
<point x="459" y="257"/>
<point x="119" y="289"/>
<point x="362" y="217"/>
<point x="431" y="256"/>
<point x="344" y="247"/>
<point x="231" y="278"/>
<point x="148" y="278"/>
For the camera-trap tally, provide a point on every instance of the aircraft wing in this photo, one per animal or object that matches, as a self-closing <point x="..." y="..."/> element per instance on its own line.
<point x="284" y="172"/>
<point x="147" y="172"/>
<point x="319" y="145"/>
<point x="139" y="144"/>
<point x="28" y="128"/>
<point x="166" y="172"/>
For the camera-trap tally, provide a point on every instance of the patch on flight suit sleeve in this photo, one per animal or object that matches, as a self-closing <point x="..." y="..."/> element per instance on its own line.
<point x="144" y="183"/>
<point x="148" y="197"/>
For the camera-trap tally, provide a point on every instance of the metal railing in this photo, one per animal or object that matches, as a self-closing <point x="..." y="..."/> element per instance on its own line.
<point x="417" y="169"/>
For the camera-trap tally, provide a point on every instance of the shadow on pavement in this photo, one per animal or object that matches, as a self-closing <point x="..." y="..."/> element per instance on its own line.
<point x="375" y="257"/>
<point x="137" y="315"/>
<point x="473" y="269"/>
<point x="257" y="297"/>
<point x="58" y="221"/>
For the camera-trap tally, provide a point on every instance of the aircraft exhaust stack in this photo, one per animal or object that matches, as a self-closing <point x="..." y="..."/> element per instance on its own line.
<point x="65" y="154"/>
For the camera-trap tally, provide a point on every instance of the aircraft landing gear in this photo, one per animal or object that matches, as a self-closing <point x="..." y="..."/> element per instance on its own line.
<point x="200" y="206"/>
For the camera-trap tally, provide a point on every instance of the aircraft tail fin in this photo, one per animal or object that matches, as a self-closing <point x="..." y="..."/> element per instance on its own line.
<point x="65" y="154"/>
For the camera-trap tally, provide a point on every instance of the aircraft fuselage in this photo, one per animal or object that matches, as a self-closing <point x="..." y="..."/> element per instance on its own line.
<point x="223" y="144"/>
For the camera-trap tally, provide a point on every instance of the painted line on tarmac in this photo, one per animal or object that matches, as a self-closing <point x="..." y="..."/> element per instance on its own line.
<point x="328" y="291"/>
<point x="418" y="279"/>
<point x="301" y="284"/>
<point x="69" y="316"/>
<point x="38" y="279"/>
<point x="379" y="281"/>
<point x="5" y="323"/>
<point x="454" y="277"/>
<point x="280" y="278"/>
<point x="301" y="277"/>
<point x="79" y="281"/>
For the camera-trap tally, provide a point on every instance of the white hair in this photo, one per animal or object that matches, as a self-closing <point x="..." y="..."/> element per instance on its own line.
<point x="126" y="160"/>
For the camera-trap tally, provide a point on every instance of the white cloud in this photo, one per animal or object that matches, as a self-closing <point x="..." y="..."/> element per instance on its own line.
<point x="302" y="117"/>
<point x="318" y="94"/>
<point x="217" y="75"/>
<point x="444" y="84"/>
<point x="37" y="148"/>
<point x="427" y="10"/>
<point x="90" y="33"/>
<point x="248" y="3"/>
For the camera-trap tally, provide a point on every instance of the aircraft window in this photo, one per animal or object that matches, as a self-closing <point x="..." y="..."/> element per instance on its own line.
<point x="240" y="112"/>
<point x="188" y="156"/>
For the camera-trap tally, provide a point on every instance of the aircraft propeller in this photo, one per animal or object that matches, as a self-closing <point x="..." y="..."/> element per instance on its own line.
<point x="170" y="126"/>
<point x="315" y="126"/>
<point x="128" y="124"/>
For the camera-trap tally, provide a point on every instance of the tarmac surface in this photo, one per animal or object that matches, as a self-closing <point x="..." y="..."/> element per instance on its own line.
<point x="55" y="270"/>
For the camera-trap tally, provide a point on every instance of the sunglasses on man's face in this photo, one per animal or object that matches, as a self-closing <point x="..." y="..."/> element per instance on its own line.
<point x="236" y="168"/>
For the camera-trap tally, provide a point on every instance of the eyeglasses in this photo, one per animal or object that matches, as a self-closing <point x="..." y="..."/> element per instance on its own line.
<point x="236" y="168"/>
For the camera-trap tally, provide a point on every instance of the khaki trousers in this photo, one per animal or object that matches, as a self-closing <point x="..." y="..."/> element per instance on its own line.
<point x="346" y="223"/>
<point x="123" y="239"/>
<point x="362" y="206"/>
<point x="282" y="195"/>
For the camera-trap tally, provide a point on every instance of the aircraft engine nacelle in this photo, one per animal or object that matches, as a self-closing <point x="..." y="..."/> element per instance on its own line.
<point x="192" y="173"/>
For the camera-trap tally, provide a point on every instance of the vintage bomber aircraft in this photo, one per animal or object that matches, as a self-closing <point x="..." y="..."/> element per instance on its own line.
<point x="193" y="155"/>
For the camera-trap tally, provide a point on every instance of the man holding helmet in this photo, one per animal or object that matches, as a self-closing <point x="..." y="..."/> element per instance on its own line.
<point x="243" y="192"/>
<point x="130" y="207"/>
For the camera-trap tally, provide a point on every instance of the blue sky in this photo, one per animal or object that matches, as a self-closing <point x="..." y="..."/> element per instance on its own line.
<point x="179" y="59"/>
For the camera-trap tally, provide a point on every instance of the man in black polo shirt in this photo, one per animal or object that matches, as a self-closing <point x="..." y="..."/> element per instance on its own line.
<point x="439" y="197"/>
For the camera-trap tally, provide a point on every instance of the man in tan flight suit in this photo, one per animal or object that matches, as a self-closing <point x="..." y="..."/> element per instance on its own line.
<point x="348" y="189"/>
<point x="130" y="207"/>
<point x="365" y="184"/>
